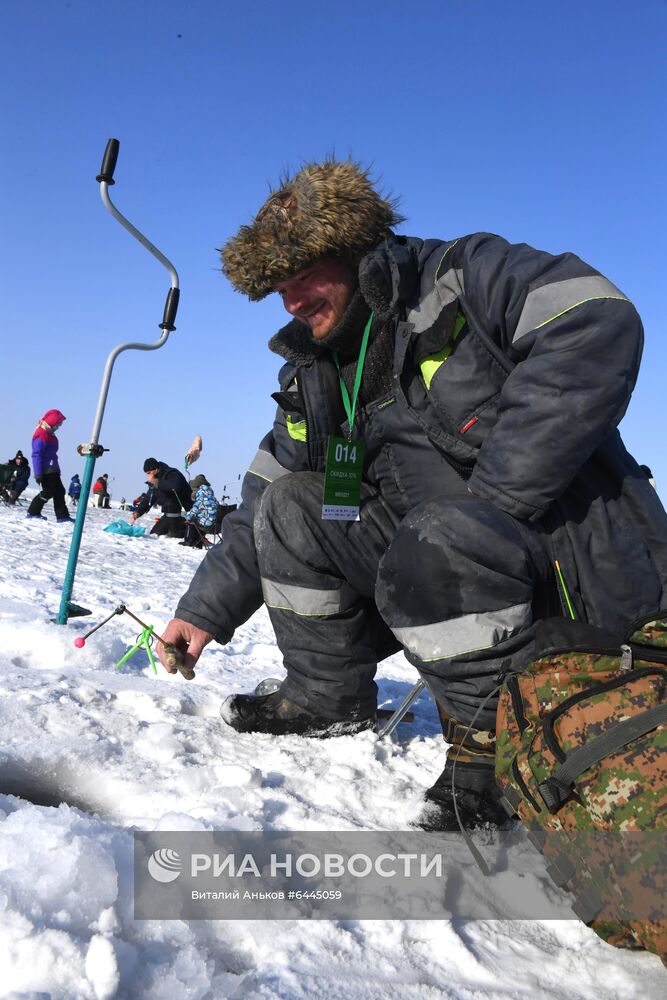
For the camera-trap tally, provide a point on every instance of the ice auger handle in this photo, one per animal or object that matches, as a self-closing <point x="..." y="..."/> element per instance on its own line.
<point x="174" y="658"/>
<point x="170" y="307"/>
<point x="109" y="162"/>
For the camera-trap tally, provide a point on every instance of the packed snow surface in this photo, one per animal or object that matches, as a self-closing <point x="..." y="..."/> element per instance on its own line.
<point x="125" y="750"/>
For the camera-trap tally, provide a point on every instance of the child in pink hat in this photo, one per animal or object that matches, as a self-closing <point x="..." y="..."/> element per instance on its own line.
<point x="46" y="469"/>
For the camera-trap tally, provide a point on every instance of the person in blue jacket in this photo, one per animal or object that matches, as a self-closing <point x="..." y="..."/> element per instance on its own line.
<point x="202" y="515"/>
<point x="46" y="469"/>
<point x="74" y="491"/>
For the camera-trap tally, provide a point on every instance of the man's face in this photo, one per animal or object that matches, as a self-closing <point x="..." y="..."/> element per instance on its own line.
<point x="320" y="294"/>
<point x="151" y="477"/>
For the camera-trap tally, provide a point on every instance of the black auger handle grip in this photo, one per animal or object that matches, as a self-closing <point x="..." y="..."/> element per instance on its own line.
<point x="170" y="308"/>
<point x="109" y="162"/>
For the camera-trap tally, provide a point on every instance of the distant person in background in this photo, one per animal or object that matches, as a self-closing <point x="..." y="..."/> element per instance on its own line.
<point x="649" y="475"/>
<point x="145" y="499"/>
<point x="74" y="491"/>
<point x="18" y="479"/>
<point x="202" y="515"/>
<point x="172" y="492"/>
<point x="46" y="469"/>
<point x="194" y="451"/>
<point x="101" y="491"/>
<point x="123" y="503"/>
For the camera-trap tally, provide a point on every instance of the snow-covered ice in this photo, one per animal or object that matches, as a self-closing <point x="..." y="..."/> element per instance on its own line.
<point x="128" y="750"/>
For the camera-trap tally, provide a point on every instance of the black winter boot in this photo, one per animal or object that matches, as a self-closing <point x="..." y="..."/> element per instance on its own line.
<point x="275" y="713"/>
<point x="472" y="759"/>
<point x="477" y="797"/>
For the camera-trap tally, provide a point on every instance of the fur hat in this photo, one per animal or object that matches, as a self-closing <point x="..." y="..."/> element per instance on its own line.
<point x="328" y="209"/>
<point x="150" y="463"/>
<point x="197" y="482"/>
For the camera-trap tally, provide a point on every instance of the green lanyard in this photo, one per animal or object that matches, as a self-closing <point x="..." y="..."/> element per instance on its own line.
<point x="351" y="407"/>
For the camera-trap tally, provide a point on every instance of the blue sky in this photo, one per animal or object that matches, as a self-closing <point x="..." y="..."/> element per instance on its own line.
<point x="542" y="122"/>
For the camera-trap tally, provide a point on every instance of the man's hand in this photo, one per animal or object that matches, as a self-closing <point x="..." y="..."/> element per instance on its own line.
<point x="188" y="640"/>
<point x="38" y="480"/>
<point x="194" y="451"/>
<point x="133" y="519"/>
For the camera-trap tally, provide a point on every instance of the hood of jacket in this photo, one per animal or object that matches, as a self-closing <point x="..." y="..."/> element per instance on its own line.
<point x="53" y="417"/>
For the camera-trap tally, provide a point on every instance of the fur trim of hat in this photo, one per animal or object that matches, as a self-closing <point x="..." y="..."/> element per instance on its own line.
<point x="197" y="482"/>
<point x="328" y="209"/>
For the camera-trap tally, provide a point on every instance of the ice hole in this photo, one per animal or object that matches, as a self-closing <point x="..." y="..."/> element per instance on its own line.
<point x="41" y="785"/>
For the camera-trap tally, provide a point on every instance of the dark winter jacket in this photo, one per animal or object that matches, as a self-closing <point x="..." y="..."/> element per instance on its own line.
<point x="144" y="500"/>
<point x="75" y="487"/>
<point x="20" y="474"/>
<point x="172" y="493"/>
<point x="512" y="368"/>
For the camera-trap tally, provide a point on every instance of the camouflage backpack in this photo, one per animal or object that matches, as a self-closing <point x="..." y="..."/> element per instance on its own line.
<point x="582" y="759"/>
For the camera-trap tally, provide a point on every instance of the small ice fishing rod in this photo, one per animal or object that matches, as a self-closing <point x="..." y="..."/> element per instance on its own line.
<point x="173" y="655"/>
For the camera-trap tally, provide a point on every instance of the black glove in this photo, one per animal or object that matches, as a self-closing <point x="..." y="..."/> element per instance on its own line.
<point x="38" y="480"/>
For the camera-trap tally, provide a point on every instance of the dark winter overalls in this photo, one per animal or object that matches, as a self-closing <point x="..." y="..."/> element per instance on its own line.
<point x="497" y="490"/>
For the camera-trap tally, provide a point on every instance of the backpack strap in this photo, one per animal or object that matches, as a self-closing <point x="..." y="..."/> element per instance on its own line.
<point x="556" y="789"/>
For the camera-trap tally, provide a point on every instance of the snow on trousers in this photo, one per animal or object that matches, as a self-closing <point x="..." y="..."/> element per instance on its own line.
<point x="458" y="581"/>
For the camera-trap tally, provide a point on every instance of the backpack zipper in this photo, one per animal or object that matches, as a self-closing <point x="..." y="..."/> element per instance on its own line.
<point x="642" y="650"/>
<point x="644" y="620"/>
<point x="517" y="703"/>
<point x="516" y="774"/>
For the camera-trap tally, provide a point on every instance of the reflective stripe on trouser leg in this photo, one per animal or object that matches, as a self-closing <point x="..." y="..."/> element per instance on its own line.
<point x="307" y="601"/>
<point x="461" y="587"/>
<point x="318" y="580"/>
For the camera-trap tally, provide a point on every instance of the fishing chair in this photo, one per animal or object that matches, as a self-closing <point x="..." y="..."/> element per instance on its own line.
<point x="6" y="472"/>
<point x="216" y="528"/>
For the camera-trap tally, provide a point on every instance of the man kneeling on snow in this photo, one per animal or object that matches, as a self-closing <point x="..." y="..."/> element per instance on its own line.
<point x="171" y="490"/>
<point x="462" y="396"/>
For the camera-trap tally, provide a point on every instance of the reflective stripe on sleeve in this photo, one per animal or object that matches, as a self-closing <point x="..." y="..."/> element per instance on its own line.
<point x="547" y="303"/>
<point x="446" y="289"/>
<point x="267" y="467"/>
<point x="305" y="600"/>
<point x="456" y="636"/>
